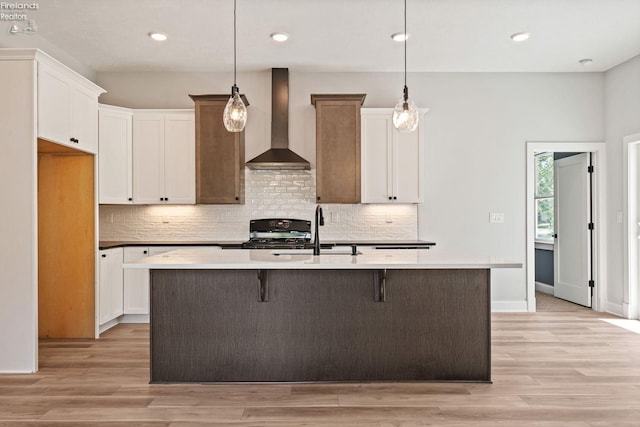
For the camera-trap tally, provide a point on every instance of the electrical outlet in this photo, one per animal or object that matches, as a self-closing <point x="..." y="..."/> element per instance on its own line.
<point x="496" y="217"/>
<point x="388" y="219"/>
<point x="165" y="220"/>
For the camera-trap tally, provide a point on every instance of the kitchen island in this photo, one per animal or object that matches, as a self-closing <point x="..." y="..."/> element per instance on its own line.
<point x="271" y="316"/>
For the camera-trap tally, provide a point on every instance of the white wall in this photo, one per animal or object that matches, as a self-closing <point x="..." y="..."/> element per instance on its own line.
<point x="18" y="251"/>
<point x="622" y="118"/>
<point x="476" y="131"/>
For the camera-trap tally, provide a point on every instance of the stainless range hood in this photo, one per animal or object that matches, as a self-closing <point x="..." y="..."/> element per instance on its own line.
<point x="279" y="156"/>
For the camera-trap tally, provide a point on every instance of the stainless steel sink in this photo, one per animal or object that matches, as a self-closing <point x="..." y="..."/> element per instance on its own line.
<point x="338" y="250"/>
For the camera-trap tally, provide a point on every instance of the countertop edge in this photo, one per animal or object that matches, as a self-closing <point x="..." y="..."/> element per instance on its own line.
<point x="236" y="244"/>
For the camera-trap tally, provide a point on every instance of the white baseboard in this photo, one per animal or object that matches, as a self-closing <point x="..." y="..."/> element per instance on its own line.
<point x="2" y="372"/>
<point x="509" y="306"/>
<point x="544" y="288"/>
<point x="625" y="310"/>
<point x="108" y="325"/>
<point x="615" y="309"/>
<point x="135" y="318"/>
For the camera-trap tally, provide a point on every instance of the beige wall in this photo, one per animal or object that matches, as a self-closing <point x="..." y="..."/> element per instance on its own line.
<point x="622" y="118"/>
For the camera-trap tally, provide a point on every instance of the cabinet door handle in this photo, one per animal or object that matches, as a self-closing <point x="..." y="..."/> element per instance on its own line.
<point x="318" y="198"/>
<point x="144" y="252"/>
<point x="237" y="198"/>
<point x="395" y="198"/>
<point x="104" y="255"/>
<point x="263" y="291"/>
<point x="390" y="197"/>
<point x="130" y="199"/>
<point x="380" y="286"/>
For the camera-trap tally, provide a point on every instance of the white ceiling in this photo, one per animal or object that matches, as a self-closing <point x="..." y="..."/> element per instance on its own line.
<point x="336" y="35"/>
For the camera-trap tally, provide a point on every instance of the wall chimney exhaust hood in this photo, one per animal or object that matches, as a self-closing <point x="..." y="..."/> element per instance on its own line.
<point x="279" y="156"/>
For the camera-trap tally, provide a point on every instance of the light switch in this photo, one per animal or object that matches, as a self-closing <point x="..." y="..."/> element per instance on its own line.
<point x="496" y="217"/>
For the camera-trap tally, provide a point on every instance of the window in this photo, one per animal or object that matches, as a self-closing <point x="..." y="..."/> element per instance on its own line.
<point x="544" y="197"/>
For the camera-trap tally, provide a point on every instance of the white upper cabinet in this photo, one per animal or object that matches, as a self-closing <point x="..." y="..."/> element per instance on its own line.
<point x="392" y="162"/>
<point x="115" y="155"/>
<point x="164" y="157"/>
<point x="67" y="106"/>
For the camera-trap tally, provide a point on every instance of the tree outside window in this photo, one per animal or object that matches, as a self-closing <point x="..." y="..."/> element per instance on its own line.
<point x="544" y="197"/>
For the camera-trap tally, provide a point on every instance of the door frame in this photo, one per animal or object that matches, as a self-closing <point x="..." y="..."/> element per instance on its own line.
<point x="599" y="215"/>
<point x="631" y="292"/>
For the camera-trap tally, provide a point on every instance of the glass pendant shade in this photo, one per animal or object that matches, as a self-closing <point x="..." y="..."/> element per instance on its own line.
<point x="235" y="113"/>
<point x="405" y="114"/>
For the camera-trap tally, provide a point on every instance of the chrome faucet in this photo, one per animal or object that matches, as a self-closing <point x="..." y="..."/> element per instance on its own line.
<point x="319" y="222"/>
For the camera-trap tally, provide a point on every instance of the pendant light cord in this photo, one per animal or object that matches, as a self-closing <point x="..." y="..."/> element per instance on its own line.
<point x="234" y="41"/>
<point x="405" y="42"/>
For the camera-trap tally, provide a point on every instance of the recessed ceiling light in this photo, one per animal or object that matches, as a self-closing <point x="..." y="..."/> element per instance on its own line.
<point x="280" y="37"/>
<point x="400" y="37"/>
<point x="586" y="62"/>
<point x="519" y="37"/>
<point x="158" y="36"/>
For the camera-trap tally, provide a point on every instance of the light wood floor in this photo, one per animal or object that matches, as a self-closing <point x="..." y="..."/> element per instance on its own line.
<point x="564" y="369"/>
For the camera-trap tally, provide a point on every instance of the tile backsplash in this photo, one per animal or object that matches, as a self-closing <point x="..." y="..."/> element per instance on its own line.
<point x="268" y="194"/>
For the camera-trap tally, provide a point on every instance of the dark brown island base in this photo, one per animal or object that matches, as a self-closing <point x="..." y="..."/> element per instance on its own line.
<point x="290" y="325"/>
<point x="289" y="316"/>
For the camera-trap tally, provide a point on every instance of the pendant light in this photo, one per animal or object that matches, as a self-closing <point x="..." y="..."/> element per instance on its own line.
<point x="405" y="113"/>
<point x="235" y="112"/>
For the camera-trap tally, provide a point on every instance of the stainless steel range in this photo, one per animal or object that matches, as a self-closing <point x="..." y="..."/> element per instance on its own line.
<point x="278" y="233"/>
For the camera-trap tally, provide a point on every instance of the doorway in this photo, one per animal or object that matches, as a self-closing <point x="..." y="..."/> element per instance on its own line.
<point x="598" y="267"/>
<point x="66" y="242"/>
<point x="631" y="307"/>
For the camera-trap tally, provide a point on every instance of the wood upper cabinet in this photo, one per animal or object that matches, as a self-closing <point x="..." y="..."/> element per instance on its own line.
<point x="392" y="161"/>
<point x="220" y="159"/>
<point x="163" y="157"/>
<point x="338" y="147"/>
<point x="67" y="106"/>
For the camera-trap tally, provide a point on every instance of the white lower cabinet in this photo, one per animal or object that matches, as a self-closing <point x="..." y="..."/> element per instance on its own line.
<point x="110" y="285"/>
<point x="136" y="282"/>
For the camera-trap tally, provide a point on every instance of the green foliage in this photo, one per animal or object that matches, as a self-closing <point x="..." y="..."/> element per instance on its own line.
<point x="544" y="196"/>
<point x="544" y="175"/>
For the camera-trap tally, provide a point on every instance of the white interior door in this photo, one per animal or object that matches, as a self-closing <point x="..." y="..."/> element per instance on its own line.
<point x="572" y="261"/>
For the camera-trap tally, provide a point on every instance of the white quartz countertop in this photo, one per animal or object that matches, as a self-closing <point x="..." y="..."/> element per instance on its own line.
<point x="329" y="259"/>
